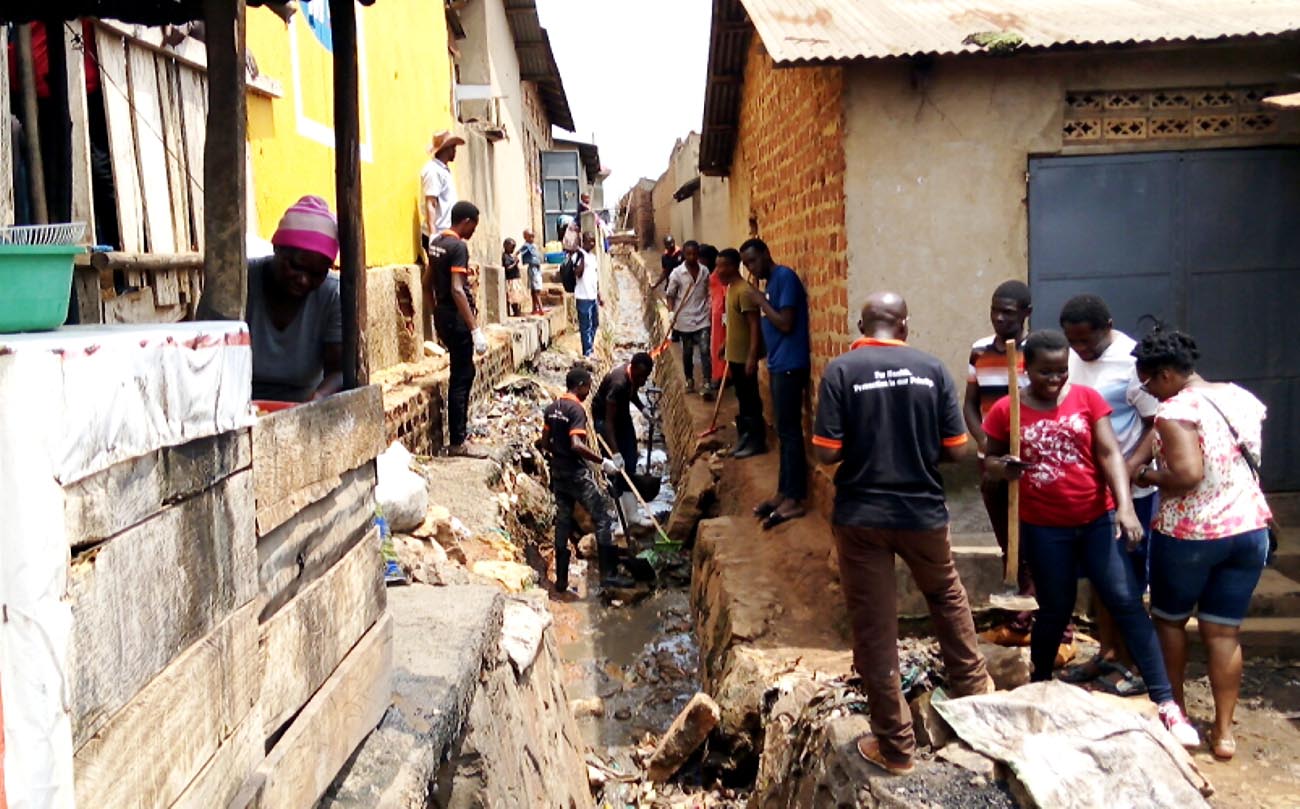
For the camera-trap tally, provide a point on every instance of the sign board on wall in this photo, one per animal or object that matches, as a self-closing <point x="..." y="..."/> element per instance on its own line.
<point x="311" y="52"/>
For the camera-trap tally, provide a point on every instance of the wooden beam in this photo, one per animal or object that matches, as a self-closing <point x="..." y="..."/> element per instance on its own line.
<point x="309" y="756"/>
<point x="299" y="454"/>
<point x="225" y="273"/>
<point x="128" y="493"/>
<point x="347" y="179"/>
<point x="140" y="262"/>
<point x="6" y="145"/>
<point x="83" y="197"/>
<point x="146" y="594"/>
<point x="153" y="748"/>
<point x="31" y="126"/>
<point x="307" y="639"/>
<point x="228" y="769"/>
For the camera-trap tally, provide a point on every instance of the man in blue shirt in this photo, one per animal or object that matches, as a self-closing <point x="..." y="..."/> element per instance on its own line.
<point x="789" y="362"/>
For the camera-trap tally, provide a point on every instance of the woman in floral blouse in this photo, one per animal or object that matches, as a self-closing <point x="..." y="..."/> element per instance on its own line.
<point x="1210" y="537"/>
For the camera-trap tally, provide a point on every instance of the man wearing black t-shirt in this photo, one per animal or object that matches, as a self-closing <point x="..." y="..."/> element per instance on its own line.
<point x="888" y="414"/>
<point x="612" y="412"/>
<point x="455" y="318"/>
<point x="669" y="261"/>
<point x="564" y="440"/>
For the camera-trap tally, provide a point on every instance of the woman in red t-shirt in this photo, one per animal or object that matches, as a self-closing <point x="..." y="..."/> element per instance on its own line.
<point x="1075" y="510"/>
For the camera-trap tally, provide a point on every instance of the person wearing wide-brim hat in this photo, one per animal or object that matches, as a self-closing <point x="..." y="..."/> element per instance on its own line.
<point x="437" y="189"/>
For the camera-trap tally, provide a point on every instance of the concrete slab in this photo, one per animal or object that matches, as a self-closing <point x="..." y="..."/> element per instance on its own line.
<point x="1277" y="595"/>
<point x="441" y="638"/>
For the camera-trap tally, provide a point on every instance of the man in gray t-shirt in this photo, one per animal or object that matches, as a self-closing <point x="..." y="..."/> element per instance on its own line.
<point x="295" y="316"/>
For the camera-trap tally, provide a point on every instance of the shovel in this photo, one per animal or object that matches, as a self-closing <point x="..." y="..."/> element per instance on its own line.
<point x="1011" y="599"/>
<point x="717" y="405"/>
<point x="631" y="485"/>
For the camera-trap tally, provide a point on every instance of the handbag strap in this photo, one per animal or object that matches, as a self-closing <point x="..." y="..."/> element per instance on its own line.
<point x="1242" y="449"/>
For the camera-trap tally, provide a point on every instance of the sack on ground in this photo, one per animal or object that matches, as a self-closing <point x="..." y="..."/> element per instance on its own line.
<point x="402" y="493"/>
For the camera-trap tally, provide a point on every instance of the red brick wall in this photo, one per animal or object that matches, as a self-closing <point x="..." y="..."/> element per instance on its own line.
<point x="790" y="159"/>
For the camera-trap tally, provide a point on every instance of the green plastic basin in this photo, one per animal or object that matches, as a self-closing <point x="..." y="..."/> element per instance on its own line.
<point x="35" y="285"/>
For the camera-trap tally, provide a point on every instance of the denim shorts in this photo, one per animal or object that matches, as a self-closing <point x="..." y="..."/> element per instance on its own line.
<point x="1214" y="578"/>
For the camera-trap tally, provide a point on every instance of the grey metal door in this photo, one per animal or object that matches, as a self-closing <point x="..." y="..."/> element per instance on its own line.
<point x="1207" y="240"/>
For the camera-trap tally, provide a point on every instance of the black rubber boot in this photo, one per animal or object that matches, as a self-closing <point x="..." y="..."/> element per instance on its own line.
<point x="607" y="558"/>
<point x="561" y="575"/>
<point x="753" y="438"/>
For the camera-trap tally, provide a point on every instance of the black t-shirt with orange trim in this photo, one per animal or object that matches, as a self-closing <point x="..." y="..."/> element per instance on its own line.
<point x="564" y="422"/>
<point x="449" y="255"/>
<point x="891" y="408"/>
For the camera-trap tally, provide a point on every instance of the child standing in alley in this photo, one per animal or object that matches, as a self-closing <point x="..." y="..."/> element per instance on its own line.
<point x="514" y="284"/>
<point x="531" y="258"/>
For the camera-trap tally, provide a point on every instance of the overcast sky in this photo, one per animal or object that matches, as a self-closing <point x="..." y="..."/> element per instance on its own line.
<point x="634" y="74"/>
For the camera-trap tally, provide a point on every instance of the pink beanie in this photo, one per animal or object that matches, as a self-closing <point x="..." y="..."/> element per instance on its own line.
<point x="309" y="225"/>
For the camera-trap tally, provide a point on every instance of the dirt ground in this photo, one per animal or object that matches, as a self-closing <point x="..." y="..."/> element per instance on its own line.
<point x="1265" y="772"/>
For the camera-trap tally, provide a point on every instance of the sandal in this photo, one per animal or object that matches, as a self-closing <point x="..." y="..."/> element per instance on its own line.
<point x="776" y="518"/>
<point x="764" y="509"/>
<point x="1084" y="672"/>
<point x="869" y="749"/>
<point x="1129" y="683"/>
<point x="1223" y="748"/>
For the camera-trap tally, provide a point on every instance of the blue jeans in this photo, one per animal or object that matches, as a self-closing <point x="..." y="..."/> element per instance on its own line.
<point x="588" y="320"/>
<point x="1056" y="556"/>
<point x="787" y="409"/>
<point x="1213" y="577"/>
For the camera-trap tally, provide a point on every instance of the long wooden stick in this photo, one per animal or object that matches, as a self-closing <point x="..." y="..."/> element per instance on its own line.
<point x="717" y="405"/>
<point x="632" y="487"/>
<point x="1013" y="488"/>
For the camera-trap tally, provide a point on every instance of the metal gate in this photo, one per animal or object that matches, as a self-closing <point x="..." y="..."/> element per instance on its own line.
<point x="1208" y="241"/>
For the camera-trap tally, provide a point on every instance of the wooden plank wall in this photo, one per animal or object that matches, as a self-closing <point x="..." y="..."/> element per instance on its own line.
<point x="155" y="105"/>
<point x="6" y="143"/>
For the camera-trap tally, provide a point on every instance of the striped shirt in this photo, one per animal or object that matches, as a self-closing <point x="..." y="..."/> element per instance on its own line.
<point x="988" y="369"/>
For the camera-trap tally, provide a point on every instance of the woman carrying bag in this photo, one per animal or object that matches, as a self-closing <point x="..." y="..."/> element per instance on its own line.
<point x="1210" y="537"/>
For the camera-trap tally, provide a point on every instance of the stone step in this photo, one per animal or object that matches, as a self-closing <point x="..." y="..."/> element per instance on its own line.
<point x="1277" y="595"/>
<point x="1263" y="637"/>
<point x="1288" y="563"/>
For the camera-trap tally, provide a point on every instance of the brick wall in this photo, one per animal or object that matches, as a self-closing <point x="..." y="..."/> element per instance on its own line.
<point x="787" y="187"/>
<point x="537" y="139"/>
<point x="790" y="159"/>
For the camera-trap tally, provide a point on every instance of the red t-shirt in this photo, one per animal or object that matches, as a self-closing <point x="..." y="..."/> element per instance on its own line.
<point x="1063" y="486"/>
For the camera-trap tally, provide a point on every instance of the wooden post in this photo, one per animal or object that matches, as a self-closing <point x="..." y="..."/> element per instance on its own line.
<point x="225" y="270"/>
<point x="31" y="126"/>
<point x="1013" y="488"/>
<point x="83" y="197"/>
<point x="347" y="179"/>
<point x="6" y="143"/>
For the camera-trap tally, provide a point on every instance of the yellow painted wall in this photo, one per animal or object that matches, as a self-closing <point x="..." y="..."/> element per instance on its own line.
<point x="406" y="81"/>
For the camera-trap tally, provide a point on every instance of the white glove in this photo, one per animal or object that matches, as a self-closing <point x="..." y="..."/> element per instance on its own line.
<point x="480" y="342"/>
<point x="612" y="466"/>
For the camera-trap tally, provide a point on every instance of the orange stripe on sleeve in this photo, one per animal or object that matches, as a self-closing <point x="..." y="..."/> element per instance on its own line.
<point x="461" y="270"/>
<point x="577" y="431"/>
<point x="828" y="443"/>
<point x="955" y="441"/>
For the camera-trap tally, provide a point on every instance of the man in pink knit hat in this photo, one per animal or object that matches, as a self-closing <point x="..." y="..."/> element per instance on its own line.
<point x="294" y="313"/>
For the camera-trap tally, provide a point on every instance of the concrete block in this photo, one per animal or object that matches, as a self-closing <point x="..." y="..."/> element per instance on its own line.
<point x="980" y="570"/>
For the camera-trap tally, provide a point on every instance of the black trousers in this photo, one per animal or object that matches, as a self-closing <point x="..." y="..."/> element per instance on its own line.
<point x="787" y="407"/>
<point x="459" y="341"/>
<point x="625" y="444"/>
<point x="749" y="415"/>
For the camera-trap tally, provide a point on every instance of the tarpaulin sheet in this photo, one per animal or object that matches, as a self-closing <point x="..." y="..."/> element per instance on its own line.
<point x="1073" y="751"/>
<point x="73" y="402"/>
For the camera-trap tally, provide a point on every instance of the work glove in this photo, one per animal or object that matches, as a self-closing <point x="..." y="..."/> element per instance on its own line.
<point x="480" y="342"/>
<point x="611" y="466"/>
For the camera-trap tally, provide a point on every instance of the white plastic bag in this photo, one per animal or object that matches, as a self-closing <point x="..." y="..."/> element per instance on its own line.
<point x="403" y="493"/>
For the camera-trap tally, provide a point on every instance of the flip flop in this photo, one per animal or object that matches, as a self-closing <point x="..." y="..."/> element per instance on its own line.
<point x="1223" y="748"/>
<point x="1084" y="672"/>
<point x="776" y="518"/>
<point x="1129" y="684"/>
<point x="764" y="509"/>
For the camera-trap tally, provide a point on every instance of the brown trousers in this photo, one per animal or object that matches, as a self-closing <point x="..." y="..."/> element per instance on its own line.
<point x="867" y="575"/>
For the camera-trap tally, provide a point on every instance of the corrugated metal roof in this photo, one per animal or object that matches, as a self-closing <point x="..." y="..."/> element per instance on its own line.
<point x="836" y="30"/>
<point x="537" y="60"/>
<point x="144" y="12"/>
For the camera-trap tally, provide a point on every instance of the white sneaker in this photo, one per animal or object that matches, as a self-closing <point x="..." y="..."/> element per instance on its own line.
<point x="1177" y="724"/>
<point x="632" y="510"/>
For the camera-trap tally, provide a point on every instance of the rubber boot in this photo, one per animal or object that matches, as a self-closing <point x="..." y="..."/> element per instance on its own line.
<point x="607" y="558"/>
<point x="753" y="438"/>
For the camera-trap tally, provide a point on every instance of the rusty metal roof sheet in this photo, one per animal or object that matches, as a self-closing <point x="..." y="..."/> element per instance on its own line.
<point x="837" y="30"/>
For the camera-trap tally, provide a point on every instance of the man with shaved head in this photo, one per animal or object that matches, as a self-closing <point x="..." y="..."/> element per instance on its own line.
<point x="888" y="414"/>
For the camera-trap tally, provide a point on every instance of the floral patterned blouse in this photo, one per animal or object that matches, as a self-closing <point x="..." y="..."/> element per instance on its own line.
<point x="1228" y="500"/>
